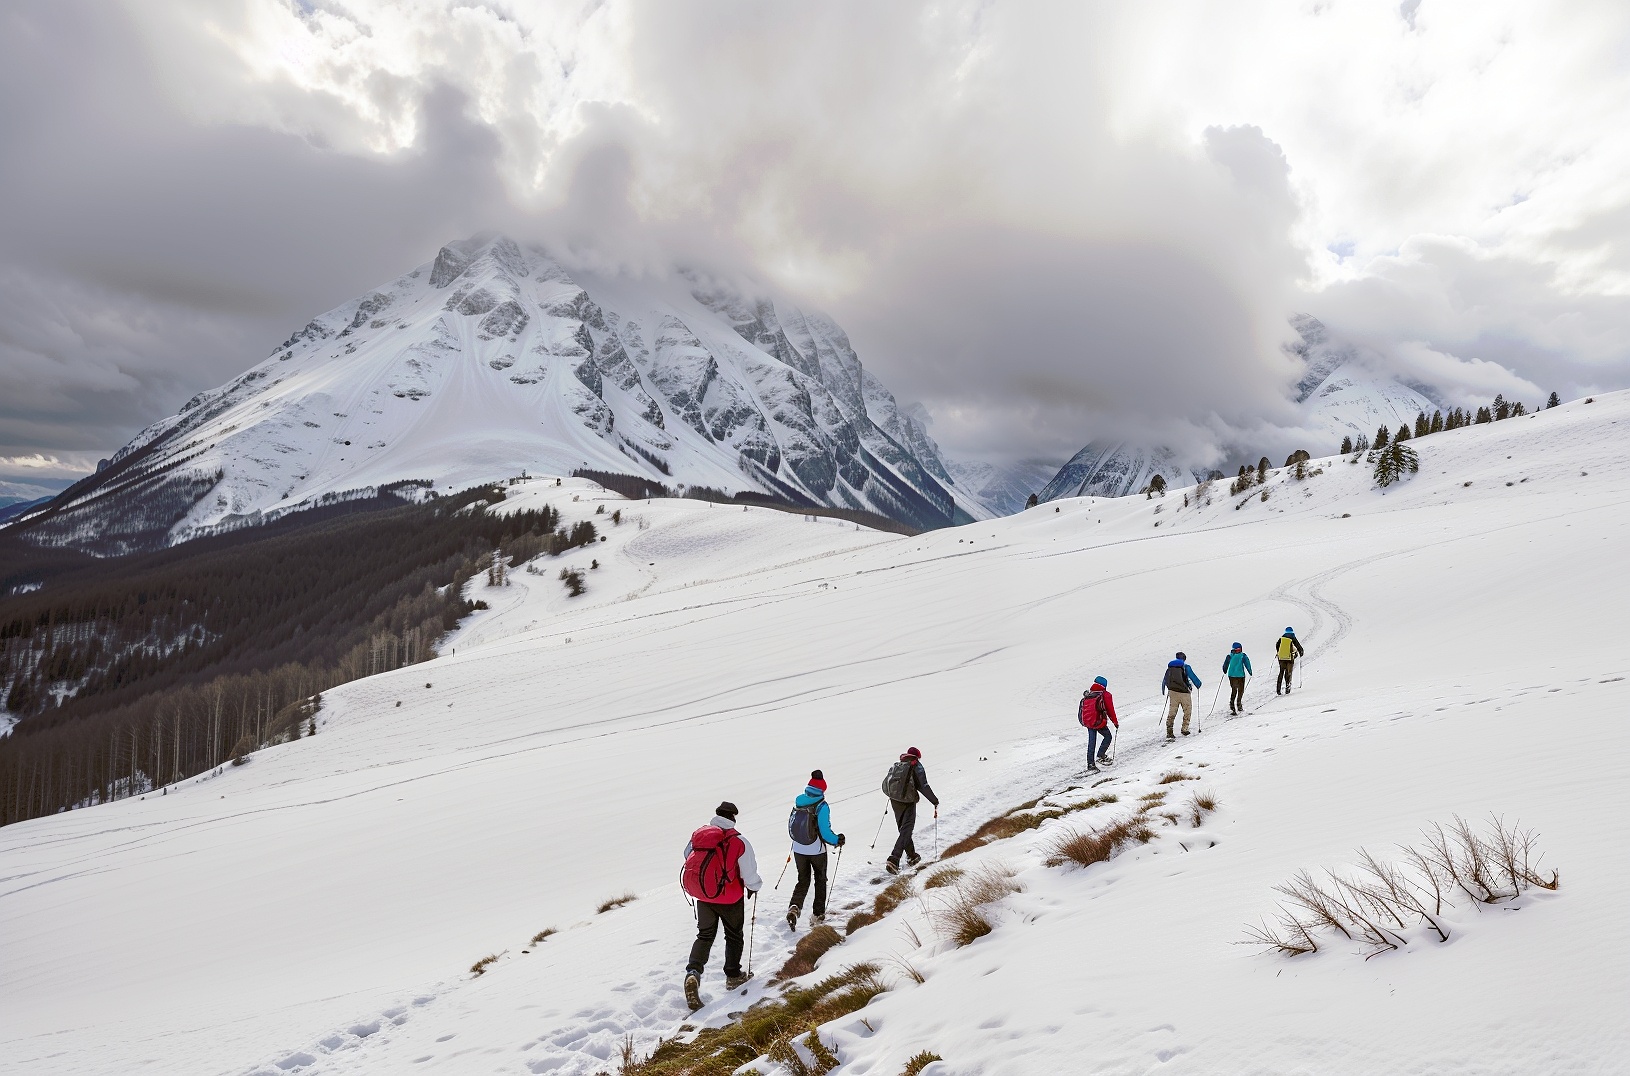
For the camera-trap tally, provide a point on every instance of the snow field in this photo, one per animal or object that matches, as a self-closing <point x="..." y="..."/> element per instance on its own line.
<point x="320" y="917"/>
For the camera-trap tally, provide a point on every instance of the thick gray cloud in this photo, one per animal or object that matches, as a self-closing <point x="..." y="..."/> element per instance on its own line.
<point x="1048" y="223"/>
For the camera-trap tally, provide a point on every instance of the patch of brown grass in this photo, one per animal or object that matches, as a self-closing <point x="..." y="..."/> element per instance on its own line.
<point x="1098" y="845"/>
<point x="479" y="968"/>
<point x="1173" y="776"/>
<point x="1020" y="819"/>
<point x="919" y="1062"/>
<point x="810" y="948"/>
<point x="961" y="917"/>
<point x="543" y="935"/>
<point x="1201" y="804"/>
<point x="893" y="895"/>
<point x="616" y="902"/>
<point x="943" y="877"/>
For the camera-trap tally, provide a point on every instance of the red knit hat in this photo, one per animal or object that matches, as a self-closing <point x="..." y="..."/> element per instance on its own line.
<point x="913" y="752"/>
<point x="816" y="780"/>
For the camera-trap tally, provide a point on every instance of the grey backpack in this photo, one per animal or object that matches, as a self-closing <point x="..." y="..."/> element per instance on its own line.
<point x="897" y="783"/>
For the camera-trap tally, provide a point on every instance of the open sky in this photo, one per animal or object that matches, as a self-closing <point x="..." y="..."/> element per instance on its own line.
<point x="1042" y="221"/>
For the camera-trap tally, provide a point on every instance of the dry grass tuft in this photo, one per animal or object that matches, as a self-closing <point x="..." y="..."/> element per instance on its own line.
<point x="479" y="968"/>
<point x="1019" y="820"/>
<point x="1173" y="776"/>
<point x="919" y="1062"/>
<point x="961" y="917"/>
<point x="543" y="935"/>
<point x="616" y="902"/>
<point x="943" y="877"/>
<point x="893" y="895"/>
<point x="810" y="948"/>
<point x="1098" y="845"/>
<point x="770" y="1029"/>
<point x="1201" y="804"/>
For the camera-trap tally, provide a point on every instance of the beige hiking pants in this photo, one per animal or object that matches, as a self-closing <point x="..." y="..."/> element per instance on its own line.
<point x="1179" y="700"/>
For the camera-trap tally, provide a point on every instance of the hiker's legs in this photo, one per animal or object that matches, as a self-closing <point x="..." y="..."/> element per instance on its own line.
<point x="1236" y="692"/>
<point x="707" y="928"/>
<point x="733" y="916"/>
<point x="1094" y="752"/>
<point x="1185" y="699"/>
<point x="1285" y="668"/>
<point x="905" y="817"/>
<point x="817" y="867"/>
<point x="1171" y="709"/>
<point x="801" y="890"/>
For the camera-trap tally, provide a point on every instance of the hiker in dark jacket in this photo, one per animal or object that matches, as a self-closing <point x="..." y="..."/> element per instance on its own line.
<point x="1289" y="648"/>
<point x="735" y="872"/>
<point x="811" y="817"/>
<point x="1175" y="683"/>
<point x="1097" y="711"/>
<point x="904" y="784"/>
<point x="1236" y="666"/>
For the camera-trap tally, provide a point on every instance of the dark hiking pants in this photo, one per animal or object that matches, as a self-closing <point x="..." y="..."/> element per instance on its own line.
<point x="1096" y="754"/>
<point x="1236" y="693"/>
<point x="708" y="918"/>
<point x="905" y="817"/>
<point x="810" y="867"/>
<point x="1285" y="667"/>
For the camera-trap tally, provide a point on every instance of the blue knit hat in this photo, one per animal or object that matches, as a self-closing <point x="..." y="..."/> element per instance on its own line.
<point x="1099" y="681"/>
<point x="1238" y="647"/>
<point x="1290" y="631"/>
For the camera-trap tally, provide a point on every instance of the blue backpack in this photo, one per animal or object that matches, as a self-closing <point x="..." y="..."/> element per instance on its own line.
<point x="804" y="824"/>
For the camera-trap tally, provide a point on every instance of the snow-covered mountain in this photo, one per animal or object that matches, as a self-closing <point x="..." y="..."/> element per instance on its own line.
<point x="492" y="360"/>
<point x="1003" y="488"/>
<point x="1340" y="393"/>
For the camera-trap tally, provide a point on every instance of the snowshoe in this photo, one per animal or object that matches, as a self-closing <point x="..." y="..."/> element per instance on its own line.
<point x="693" y="992"/>
<point x="731" y="982"/>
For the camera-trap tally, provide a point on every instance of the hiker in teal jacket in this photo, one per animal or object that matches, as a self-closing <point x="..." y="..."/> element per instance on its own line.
<point x="1236" y="666"/>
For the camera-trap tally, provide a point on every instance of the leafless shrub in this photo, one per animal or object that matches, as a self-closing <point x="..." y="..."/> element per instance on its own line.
<point x="616" y="902"/>
<point x="479" y="968"/>
<point x="628" y="1055"/>
<point x="1380" y="900"/>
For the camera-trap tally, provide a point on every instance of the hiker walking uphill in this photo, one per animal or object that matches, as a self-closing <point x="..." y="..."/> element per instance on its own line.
<point x="904" y="784"/>
<point x="1097" y="711"/>
<point x="810" y="828"/>
<point x="720" y="873"/>
<point x="1236" y="666"/>
<point x="1175" y="682"/>
<point x="1289" y="649"/>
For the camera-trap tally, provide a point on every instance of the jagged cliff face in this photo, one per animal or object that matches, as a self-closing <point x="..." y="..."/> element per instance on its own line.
<point x="493" y="359"/>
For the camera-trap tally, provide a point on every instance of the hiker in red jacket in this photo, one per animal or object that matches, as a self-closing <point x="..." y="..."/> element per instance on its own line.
<point x="1097" y="711"/>
<point x="720" y="873"/>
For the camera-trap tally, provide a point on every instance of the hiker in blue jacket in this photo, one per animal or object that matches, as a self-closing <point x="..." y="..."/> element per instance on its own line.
<point x="1236" y="666"/>
<point x="810" y="827"/>
<point x="1175" y="682"/>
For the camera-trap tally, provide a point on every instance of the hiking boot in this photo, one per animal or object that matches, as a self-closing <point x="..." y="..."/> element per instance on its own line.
<point x="912" y="859"/>
<point x="818" y="919"/>
<point x="792" y="917"/>
<point x="891" y="866"/>
<point x="1094" y="769"/>
<point x="1102" y="761"/>
<point x="1171" y="738"/>
<point x="1185" y="732"/>
<point x="731" y="982"/>
<point x="693" y="990"/>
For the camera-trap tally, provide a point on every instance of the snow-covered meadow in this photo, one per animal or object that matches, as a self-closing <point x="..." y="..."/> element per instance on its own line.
<point x="316" y="911"/>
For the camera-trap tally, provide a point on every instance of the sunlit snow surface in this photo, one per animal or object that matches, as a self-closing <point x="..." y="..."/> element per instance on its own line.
<point x="316" y="910"/>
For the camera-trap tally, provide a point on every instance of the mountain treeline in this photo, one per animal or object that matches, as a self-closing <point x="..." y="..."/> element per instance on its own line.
<point x="133" y="673"/>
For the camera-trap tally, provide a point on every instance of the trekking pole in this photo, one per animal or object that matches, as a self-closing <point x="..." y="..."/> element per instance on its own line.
<point x="832" y="883"/>
<point x="880" y="822"/>
<point x="1214" y="698"/>
<point x="783" y="871"/>
<point x="752" y="930"/>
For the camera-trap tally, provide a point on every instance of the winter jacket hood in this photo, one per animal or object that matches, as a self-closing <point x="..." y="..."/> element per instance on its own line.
<point x="823" y="820"/>
<point x="1237" y="663"/>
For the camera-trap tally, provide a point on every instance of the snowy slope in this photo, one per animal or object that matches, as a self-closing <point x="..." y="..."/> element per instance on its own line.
<point x="493" y="359"/>
<point x="315" y="910"/>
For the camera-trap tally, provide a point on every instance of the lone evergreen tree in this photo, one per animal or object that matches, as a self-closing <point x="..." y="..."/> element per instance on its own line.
<point x="1502" y="410"/>
<point x="1437" y="423"/>
<point x="1346" y="445"/>
<point x="1381" y="438"/>
<point x="1553" y="401"/>
<point x="1262" y="469"/>
<point x="1395" y="461"/>
<point x="1157" y="484"/>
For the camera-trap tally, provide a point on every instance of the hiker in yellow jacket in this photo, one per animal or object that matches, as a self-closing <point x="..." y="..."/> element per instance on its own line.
<point x="1289" y="649"/>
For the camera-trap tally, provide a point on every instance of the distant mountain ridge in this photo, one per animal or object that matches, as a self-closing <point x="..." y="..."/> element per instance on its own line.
<point x="493" y="359"/>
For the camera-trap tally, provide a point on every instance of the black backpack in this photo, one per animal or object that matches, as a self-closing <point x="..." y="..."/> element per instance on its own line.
<point x="804" y="824"/>
<point x="897" y="783"/>
<point x="1177" y="678"/>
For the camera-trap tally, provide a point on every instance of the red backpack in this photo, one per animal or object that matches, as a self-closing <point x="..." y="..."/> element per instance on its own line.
<point x="1093" y="714"/>
<point x="710" y="870"/>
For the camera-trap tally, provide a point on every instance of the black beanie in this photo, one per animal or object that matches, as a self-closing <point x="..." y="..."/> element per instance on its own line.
<point x="727" y="809"/>
<point x="816" y="775"/>
<point x="1181" y="656"/>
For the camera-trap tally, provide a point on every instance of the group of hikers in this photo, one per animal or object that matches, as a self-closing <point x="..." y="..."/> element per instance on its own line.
<point x="721" y="871"/>
<point x="1177" y="682"/>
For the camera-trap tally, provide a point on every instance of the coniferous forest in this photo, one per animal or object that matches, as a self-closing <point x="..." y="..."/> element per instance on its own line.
<point x="130" y="673"/>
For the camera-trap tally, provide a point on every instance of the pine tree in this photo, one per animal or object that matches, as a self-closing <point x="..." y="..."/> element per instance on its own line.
<point x="1483" y="415"/>
<point x="1262" y="469"/>
<point x="1395" y="461"/>
<point x="1423" y="425"/>
<point x="1553" y="401"/>
<point x="1518" y="410"/>
<point x="1402" y="434"/>
<point x="1502" y="410"/>
<point x="1380" y="438"/>
<point x="1362" y="444"/>
<point x="1346" y="445"/>
<point x="1437" y="423"/>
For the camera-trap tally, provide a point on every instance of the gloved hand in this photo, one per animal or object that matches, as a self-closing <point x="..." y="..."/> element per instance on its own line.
<point x="841" y="840"/>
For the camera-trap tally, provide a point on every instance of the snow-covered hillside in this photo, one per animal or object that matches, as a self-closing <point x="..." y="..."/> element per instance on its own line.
<point x="493" y="360"/>
<point x="316" y="910"/>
